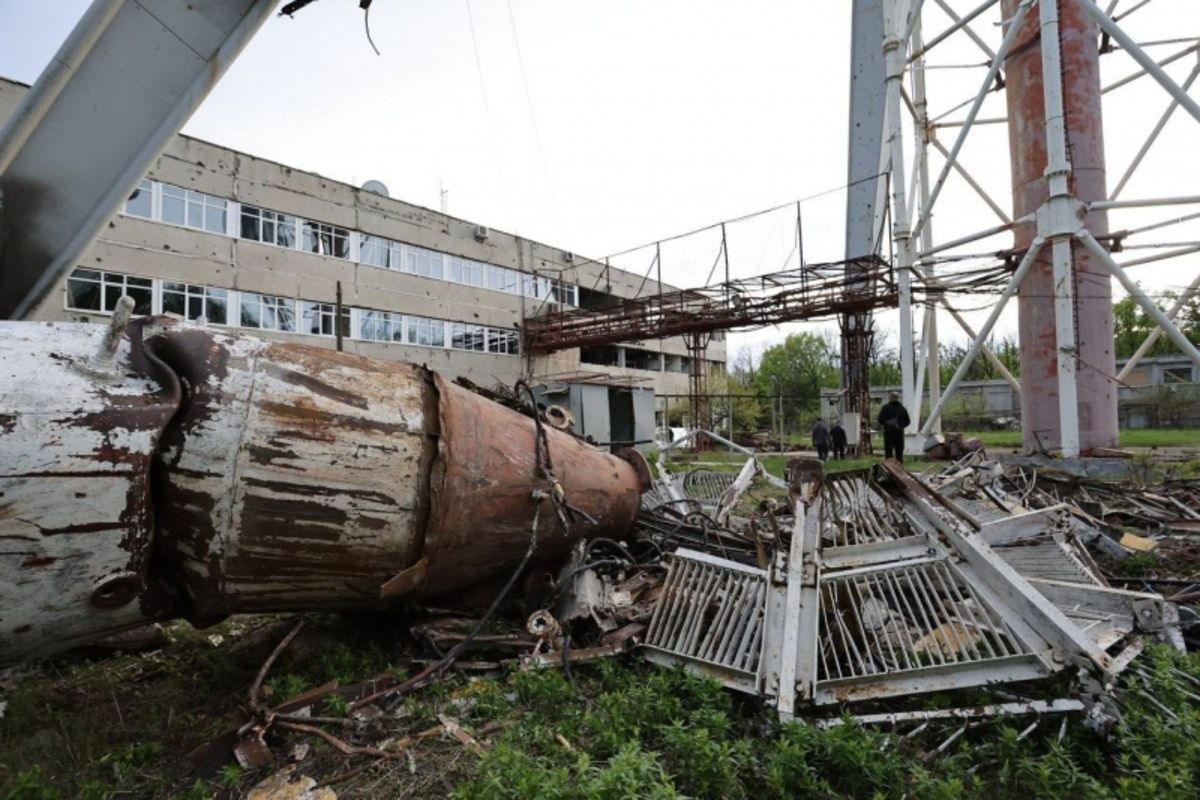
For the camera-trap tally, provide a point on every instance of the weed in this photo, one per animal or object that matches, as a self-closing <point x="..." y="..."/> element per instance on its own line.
<point x="337" y="706"/>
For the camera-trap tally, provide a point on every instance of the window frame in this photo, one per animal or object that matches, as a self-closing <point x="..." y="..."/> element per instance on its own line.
<point x="205" y="295"/>
<point x="317" y="230"/>
<point x="190" y="198"/>
<point x="416" y="327"/>
<point x="266" y="216"/>
<point x="326" y="312"/>
<point x="103" y="282"/>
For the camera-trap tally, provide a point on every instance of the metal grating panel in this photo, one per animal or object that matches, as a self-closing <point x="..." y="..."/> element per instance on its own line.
<point x="1049" y="559"/>
<point x="899" y="618"/>
<point x="859" y="513"/>
<point x="710" y="615"/>
<point x="707" y="486"/>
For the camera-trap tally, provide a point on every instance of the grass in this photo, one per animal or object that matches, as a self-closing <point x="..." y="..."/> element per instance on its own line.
<point x="119" y="727"/>
<point x="1130" y="437"/>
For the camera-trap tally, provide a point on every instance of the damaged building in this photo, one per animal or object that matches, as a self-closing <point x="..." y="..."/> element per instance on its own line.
<point x="250" y="244"/>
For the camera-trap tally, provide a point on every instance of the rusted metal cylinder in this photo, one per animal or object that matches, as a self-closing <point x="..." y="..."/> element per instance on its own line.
<point x="1080" y="80"/>
<point x="218" y="473"/>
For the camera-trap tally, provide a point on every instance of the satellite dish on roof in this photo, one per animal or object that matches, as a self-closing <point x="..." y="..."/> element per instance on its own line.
<point x="377" y="187"/>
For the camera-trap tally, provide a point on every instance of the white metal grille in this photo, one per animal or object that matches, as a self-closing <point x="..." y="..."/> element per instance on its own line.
<point x="710" y="614"/>
<point x="906" y="618"/>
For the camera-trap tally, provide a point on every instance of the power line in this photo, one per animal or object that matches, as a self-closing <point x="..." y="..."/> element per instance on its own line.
<point x="487" y="108"/>
<point x="537" y="136"/>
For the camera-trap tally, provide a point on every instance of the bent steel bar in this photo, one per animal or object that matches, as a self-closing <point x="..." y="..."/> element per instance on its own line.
<point x="208" y="473"/>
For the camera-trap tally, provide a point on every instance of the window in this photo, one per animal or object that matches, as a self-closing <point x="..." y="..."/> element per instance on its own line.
<point x="380" y="326"/>
<point x="318" y="319"/>
<point x="471" y="272"/>
<point x="467" y="337"/>
<point x="268" y="313"/>
<point x="379" y="252"/>
<point x="503" y="341"/>
<point x="195" y="302"/>
<point x="140" y="203"/>
<point x="565" y="293"/>
<point x="536" y="287"/>
<point x="509" y="281"/>
<point x="261" y="225"/>
<point x="193" y="209"/>
<point x="1177" y="375"/>
<point x="429" y="332"/>
<point x="419" y="261"/>
<point x="92" y="290"/>
<point x="328" y="240"/>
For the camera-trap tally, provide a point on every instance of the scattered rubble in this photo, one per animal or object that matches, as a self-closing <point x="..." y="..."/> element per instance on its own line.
<point x="861" y="590"/>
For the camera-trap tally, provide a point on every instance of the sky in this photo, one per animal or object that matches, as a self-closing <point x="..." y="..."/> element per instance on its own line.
<point x="599" y="126"/>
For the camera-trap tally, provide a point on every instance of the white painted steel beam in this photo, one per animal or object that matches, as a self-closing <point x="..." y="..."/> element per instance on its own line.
<point x="1153" y="137"/>
<point x="1154" y="335"/>
<point x="973" y="113"/>
<point x="1139" y="55"/>
<point x="1173" y="333"/>
<point x="1058" y="224"/>
<point x="1014" y="283"/>
<point x="68" y="160"/>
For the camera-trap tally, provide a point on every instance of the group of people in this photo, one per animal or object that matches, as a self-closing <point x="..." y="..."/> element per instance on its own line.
<point x="893" y="419"/>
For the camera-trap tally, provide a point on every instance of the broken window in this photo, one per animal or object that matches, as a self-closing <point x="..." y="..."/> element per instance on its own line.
<point x="380" y="326"/>
<point x="380" y="252"/>
<point x="505" y="342"/>
<point x="328" y="240"/>
<point x="267" y="312"/>
<point x="195" y="302"/>
<point x="464" y="336"/>
<point x="428" y="332"/>
<point x="92" y="290"/>
<point x="193" y="209"/>
<point x="318" y="319"/>
<point x="565" y="293"/>
<point x="141" y="202"/>
<point x="271" y="227"/>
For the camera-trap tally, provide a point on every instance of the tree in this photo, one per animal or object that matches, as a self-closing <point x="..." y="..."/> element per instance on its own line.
<point x="1131" y="325"/>
<point x="798" y="368"/>
<point x="982" y="368"/>
<point x="747" y="411"/>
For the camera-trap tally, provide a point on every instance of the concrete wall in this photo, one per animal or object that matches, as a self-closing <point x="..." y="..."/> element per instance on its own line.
<point x="167" y="252"/>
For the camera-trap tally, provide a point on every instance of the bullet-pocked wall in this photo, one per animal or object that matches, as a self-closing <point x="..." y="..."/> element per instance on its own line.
<point x="247" y="242"/>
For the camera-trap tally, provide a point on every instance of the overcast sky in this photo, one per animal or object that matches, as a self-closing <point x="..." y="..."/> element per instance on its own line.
<point x="629" y="122"/>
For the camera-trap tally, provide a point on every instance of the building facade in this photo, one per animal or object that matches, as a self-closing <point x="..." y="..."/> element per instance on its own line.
<point x="247" y="243"/>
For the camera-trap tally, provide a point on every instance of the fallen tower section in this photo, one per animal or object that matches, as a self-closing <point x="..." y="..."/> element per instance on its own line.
<point x="159" y="469"/>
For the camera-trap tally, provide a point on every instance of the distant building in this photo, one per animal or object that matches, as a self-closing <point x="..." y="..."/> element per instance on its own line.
<point x="254" y="245"/>
<point x="1160" y="391"/>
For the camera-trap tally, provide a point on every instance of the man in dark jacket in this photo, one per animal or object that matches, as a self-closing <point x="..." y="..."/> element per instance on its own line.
<point x="893" y="418"/>
<point x="837" y="437"/>
<point x="820" y="439"/>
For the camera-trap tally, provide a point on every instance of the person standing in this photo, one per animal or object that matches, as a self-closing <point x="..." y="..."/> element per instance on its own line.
<point x="820" y="439"/>
<point x="837" y="437"/>
<point x="893" y="418"/>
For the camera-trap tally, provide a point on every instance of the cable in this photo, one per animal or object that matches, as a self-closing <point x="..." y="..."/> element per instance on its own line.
<point x="487" y="107"/>
<point x="537" y="136"/>
<point x="365" y="5"/>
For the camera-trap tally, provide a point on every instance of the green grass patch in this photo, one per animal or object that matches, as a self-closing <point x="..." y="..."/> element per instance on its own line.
<point x="120" y="728"/>
<point x="638" y="731"/>
<point x="1130" y="437"/>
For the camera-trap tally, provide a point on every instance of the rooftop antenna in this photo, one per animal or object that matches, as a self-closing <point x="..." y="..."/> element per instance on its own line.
<point x="444" y="193"/>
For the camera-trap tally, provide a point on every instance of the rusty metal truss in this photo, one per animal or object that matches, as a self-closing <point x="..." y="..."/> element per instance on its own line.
<point x="810" y="292"/>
